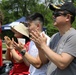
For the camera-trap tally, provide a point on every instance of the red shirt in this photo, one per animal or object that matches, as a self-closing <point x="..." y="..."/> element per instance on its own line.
<point x="1" y="53"/>
<point x="20" y="68"/>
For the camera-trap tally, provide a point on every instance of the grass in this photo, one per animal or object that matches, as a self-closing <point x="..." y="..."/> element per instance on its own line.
<point x="3" y="45"/>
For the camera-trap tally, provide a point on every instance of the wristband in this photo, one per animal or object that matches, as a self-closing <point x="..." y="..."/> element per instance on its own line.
<point x="23" y="52"/>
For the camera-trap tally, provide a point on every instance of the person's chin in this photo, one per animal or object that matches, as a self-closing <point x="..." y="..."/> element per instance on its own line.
<point x="55" y="24"/>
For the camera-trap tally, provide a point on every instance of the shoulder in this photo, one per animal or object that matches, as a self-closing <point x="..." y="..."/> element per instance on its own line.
<point x="56" y="35"/>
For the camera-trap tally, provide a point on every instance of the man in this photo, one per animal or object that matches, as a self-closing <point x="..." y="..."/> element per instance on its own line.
<point x="35" y="21"/>
<point x="1" y="19"/>
<point x="62" y="51"/>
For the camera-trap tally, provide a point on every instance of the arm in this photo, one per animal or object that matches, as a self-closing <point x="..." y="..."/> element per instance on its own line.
<point x="11" y="53"/>
<point x="60" y="60"/>
<point x="19" y="47"/>
<point x="15" y="56"/>
<point x="8" y="54"/>
<point x="35" y="61"/>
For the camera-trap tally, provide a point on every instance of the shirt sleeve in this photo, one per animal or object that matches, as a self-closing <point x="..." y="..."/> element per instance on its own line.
<point x="70" y="46"/>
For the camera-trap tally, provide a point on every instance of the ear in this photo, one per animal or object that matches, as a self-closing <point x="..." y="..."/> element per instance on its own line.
<point x="38" y="26"/>
<point x="68" y="17"/>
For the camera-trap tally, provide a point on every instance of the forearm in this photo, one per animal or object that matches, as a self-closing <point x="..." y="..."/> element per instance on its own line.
<point x="60" y="61"/>
<point x="8" y="55"/>
<point x="43" y="57"/>
<point x="35" y="61"/>
<point x="15" y="56"/>
<point x="26" y="61"/>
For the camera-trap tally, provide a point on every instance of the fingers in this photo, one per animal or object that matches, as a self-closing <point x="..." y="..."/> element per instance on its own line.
<point x="38" y="38"/>
<point x="14" y="43"/>
<point x="44" y="37"/>
<point x="35" y="35"/>
<point x="7" y="46"/>
<point x="18" y="46"/>
<point x="21" y="45"/>
<point x="7" y="38"/>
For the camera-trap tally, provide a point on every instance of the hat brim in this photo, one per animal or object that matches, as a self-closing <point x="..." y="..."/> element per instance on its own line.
<point x="13" y="30"/>
<point x="54" y="7"/>
<point x="22" y="30"/>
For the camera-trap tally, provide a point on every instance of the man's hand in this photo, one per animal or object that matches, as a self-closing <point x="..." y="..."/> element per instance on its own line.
<point x="38" y="38"/>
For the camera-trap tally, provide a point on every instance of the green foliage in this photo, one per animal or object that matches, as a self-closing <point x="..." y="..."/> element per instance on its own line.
<point x="14" y="9"/>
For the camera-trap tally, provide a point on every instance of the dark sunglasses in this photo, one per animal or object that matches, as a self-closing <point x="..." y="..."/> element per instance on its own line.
<point x="56" y="14"/>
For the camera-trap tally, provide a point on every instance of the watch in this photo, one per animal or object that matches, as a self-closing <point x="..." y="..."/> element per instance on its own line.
<point x="23" y="52"/>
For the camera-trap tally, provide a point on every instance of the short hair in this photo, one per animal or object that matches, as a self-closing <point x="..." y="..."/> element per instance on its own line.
<point x="36" y="16"/>
<point x="72" y="19"/>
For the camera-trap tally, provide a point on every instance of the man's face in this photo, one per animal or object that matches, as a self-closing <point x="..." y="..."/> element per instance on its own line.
<point x="32" y="26"/>
<point x="59" y="18"/>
